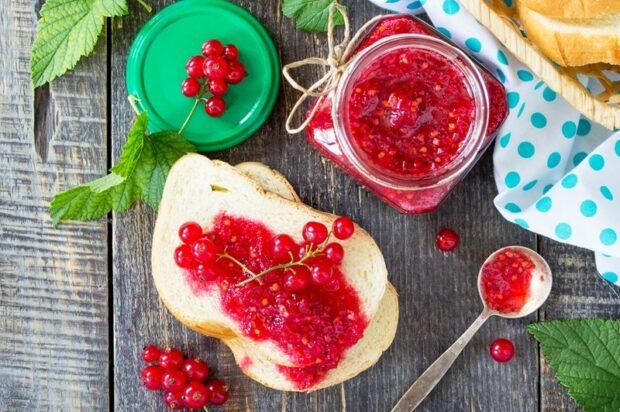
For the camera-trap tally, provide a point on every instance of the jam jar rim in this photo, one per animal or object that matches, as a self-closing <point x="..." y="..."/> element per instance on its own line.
<point x="474" y="140"/>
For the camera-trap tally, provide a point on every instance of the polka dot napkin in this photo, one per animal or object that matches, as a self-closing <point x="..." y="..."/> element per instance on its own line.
<point x="557" y="173"/>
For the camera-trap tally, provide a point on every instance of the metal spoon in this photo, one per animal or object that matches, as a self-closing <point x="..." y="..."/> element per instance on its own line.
<point x="540" y="287"/>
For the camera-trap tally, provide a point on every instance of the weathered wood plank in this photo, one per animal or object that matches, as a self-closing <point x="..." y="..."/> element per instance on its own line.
<point x="438" y="292"/>
<point x="577" y="293"/>
<point x="53" y="283"/>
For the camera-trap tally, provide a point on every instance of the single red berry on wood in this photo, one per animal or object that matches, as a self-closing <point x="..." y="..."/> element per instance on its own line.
<point x="150" y="353"/>
<point x="236" y="73"/>
<point x="218" y="392"/>
<point x="343" y="228"/>
<point x="334" y="252"/>
<point x="195" y="369"/>
<point x="502" y="350"/>
<point x="218" y="87"/>
<point x="231" y="52"/>
<point x="215" y="67"/>
<point x="315" y="232"/>
<point x="196" y="395"/>
<point x="171" y="358"/>
<point x="190" y="232"/>
<point x="215" y="106"/>
<point x="204" y="250"/>
<point x="190" y="87"/>
<point x="173" y="380"/>
<point x="193" y="67"/>
<point x="151" y="377"/>
<point x="174" y="400"/>
<point x="212" y="47"/>
<point x="447" y="240"/>
<point x="184" y="258"/>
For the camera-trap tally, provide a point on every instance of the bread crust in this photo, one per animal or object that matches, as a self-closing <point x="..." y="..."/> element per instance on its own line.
<point x="573" y="9"/>
<point x="570" y="48"/>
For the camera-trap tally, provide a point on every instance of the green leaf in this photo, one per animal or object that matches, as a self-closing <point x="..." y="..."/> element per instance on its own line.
<point x="68" y="30"/>
<point x="310" y="15"/>
<point x="585" y="355"/>
<point x="140" y="174"/>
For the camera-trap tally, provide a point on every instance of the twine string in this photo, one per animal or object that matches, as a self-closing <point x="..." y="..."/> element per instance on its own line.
<point x="335" y="62"/>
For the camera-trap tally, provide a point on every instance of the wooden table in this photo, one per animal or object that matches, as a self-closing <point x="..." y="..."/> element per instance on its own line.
<point x="77" y="302"/>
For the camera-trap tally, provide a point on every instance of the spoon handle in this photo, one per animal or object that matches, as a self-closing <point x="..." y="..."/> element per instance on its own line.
<point x="431" y="376"/>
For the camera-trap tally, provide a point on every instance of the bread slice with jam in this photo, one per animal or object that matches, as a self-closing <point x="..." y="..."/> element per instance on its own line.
<point x="200" y="190"/>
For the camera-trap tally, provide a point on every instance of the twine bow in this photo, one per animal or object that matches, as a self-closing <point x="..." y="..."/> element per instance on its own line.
<point x="335" y="61"/>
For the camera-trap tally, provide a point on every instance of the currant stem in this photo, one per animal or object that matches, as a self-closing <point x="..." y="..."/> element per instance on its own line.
<point x="197" y="100"/>
<point x="133" y="102"/>
<point x="146" y="6"/>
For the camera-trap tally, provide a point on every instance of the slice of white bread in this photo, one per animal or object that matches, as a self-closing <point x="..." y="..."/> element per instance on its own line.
<point x="189" y="195"/>
<point x="573" y="42"/>
<point x="573" y="9"/>
<point x="377" y="338"/>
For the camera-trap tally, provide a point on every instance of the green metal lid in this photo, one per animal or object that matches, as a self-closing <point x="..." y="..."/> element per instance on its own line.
<point x="156" y="69"/>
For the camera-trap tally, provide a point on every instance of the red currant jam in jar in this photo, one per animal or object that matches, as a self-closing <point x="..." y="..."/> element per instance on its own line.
<point x="506" y="279"/>
<point x="411" y="115"/>
<point x="313" y="322"/>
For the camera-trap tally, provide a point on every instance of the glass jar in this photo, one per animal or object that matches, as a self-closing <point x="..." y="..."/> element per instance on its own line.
<point x="411" y="115"/>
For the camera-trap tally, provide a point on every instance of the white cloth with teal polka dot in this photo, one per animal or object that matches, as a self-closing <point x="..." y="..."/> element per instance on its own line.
<point x="557" y="173"/>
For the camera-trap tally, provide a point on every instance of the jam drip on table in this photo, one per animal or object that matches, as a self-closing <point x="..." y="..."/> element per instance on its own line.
<point x="506" y="281"/>
<point x="314" y="326"/>
<point x="410" y="111"/>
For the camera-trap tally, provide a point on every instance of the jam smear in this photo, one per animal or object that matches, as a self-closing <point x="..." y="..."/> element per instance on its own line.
<point x="506" y="281"/>
<point x="410" y="111"/>
<point x="314" y="326"/>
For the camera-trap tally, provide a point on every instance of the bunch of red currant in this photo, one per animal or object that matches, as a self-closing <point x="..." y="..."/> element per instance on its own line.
<point x="183" y="381"/>
<point x="213" y="71"/>
<point x="314" y="260"/>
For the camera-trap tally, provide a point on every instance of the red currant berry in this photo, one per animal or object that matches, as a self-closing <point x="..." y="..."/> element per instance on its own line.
<point x="502" y="350"/>
<point x="193" y="67"/>
<point x="332" y="286"/>
<point x="183" y="257"/>
<point x="297" y="281"/>
<point x="343" y="228"/>
<point x="314" y="232"/>
<point x="204" y="250"/>
<point x="195" y="370"/>
<point x="215" y="67"/>
<point x="173" y="380"/>
<point x="237" y="72"/>
<point x="301" y="250"/>
<point x="150" y="353"/>
<point x="206" y="272"/>
<point x="151" y="377"/>
<point x="334" y="252"/>
<point x="196" y="395"/>
<point x="174" y="400"/>
<point x="190" y="87"/>
<point x="218" y="87"/>
<point x="322" y="273"/>
<point x="218" y="392"/>
<point x="215" y="106"/>
<point x="212" y="48"/>
<point x="282" y="246"/>
<point x="171" y="358"/>
<point x="190" y="232"/>
<point x="231" y="52"/>
<point x="447" y="240"/>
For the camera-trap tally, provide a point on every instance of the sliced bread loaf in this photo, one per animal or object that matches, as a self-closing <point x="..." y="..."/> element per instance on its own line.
<point x="573" y="9"/>
<point x="198" y="189"/>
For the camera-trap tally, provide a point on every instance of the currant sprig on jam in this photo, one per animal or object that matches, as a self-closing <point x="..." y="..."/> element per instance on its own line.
<point x="212" y="72"/>
<point x="313" y="261"/>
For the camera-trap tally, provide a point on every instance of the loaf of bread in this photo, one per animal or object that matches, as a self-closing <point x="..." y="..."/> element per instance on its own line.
<point x="256" y="192"/>
<point x="573" y="32"/>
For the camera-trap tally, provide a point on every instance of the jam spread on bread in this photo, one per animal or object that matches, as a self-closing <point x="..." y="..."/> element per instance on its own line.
<point x="314" y="320"/>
